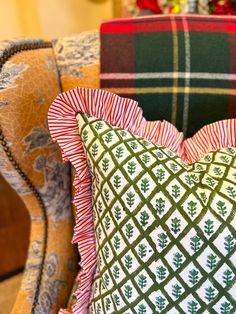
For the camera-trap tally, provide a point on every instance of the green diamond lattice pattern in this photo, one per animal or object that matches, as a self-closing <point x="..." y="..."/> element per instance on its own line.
<point x="165" y="231"/>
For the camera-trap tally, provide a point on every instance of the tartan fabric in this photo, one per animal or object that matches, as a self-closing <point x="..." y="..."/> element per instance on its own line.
<point x="179" y="68"/>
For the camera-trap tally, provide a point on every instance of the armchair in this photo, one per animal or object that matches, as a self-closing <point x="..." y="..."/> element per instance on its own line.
<point x="30" y="78"/>
<point x="33" y="72"/>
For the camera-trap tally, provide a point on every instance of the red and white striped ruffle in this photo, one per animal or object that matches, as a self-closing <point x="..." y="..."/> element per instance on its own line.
<point x="123" y="113"/>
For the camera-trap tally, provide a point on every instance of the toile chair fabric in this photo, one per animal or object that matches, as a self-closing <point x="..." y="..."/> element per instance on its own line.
<point x="32" y="73"/>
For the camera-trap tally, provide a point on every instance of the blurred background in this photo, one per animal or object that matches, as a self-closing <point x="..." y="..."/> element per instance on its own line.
<point x="53" y="18"/>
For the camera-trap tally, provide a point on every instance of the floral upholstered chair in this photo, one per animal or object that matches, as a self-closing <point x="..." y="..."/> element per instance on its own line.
<point x="32" y="73"/>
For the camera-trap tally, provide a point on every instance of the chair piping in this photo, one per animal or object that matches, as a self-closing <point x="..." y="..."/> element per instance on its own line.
<point x="7" y="54"/>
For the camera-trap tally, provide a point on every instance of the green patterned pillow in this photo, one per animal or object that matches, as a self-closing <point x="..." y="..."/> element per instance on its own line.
<point x="163" y="209"/>
<point x="165" y="230"/>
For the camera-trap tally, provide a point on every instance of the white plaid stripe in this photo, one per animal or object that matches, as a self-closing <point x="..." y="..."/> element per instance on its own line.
<point x="169" y="75"/>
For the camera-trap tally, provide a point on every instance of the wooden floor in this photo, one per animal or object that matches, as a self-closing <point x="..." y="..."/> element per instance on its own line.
<point x="8" y="293"/>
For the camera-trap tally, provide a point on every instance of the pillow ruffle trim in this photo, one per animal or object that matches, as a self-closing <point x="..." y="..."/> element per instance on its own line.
<point x="123" y="113"/>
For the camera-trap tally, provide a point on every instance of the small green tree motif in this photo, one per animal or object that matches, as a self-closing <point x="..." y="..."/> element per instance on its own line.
<point x="99" y="233"/>
<point x="169" y="152"/>
<point x="203" y="197"/>
<point x="94" y="149"/>
<point x="117" y="213"/>
<point x="130" y="198"/>
<point x="160" y="303"/>
<point x="162" y="240"/>
<point x="106" y="194"/>
<point x="119" y="152"/>
<point x="142" y="281"/>
<point x="221" y="208"/>
<point x="230" y="150"/>
<point x="142" y="250"/>
<point x="85" y="136"/>
<point x="210" y="182"/>
<point x="98" y="125"/>
<point x="177" y="259"/>
<point x="99" y="207"/>
<point x="175" y="225"/>
<point x="195" y="243"/>
<point x="173" y="167"/>
<point x="225" y="159"/>
<point x="145" y="158"/>
<point x="116" y="272"/>
<point x="123" y="133"/>
<point x="207" y="158"/>
<point x="108" y="304"/>
<point x="225" y="308"/>
<point x="116" y="242"/>
<point x="192" y="208"/>
<point x="211" y="261"/>
<point x="108" y="137"/>
<point x="128" y="291"/>
<point x="160" y="174"/>
<point x="229" y="243"/>
<point x="107" y="222"/>
<point x="145" y="143"/>
<point x="142" y="309"/>
<point x="231" y="192"/>
<point x="192" y="307"/>
<point x="189" y="180"/>
<point x="98" y="308"/>
<point x="144" y="218"/>
<point x="117" y="299"/>
<point x="106" y="279"/>
<point x="209" y="227"/>
<point x="161" y="272"/>
<point x="134" y="145"/>
<point x="117" y="181"/>
<point x="160" y="205"/>
<point x="193" y="276"/>
<point x="128" y="261"/>
<point x="210" y="294"/>
<point x="198" y="167"/>
<point x="217" y="171"/>
<point x="131" y="167"/>
<point x="227" y="277"/>
<point x="129" y="230"/>
<point x="145" y="185"/>
<point x="175" y="191"/>
<point x="159" y="155"/>
<point x="176" y="291"/>
<point x="105" y="164"/>
<point x="106" y="251"/>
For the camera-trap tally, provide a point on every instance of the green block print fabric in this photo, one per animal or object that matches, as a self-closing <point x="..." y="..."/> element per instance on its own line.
<point x="165" y="230"/>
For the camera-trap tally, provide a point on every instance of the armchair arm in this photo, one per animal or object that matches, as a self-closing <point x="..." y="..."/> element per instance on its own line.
<point x="32" y="165"/>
